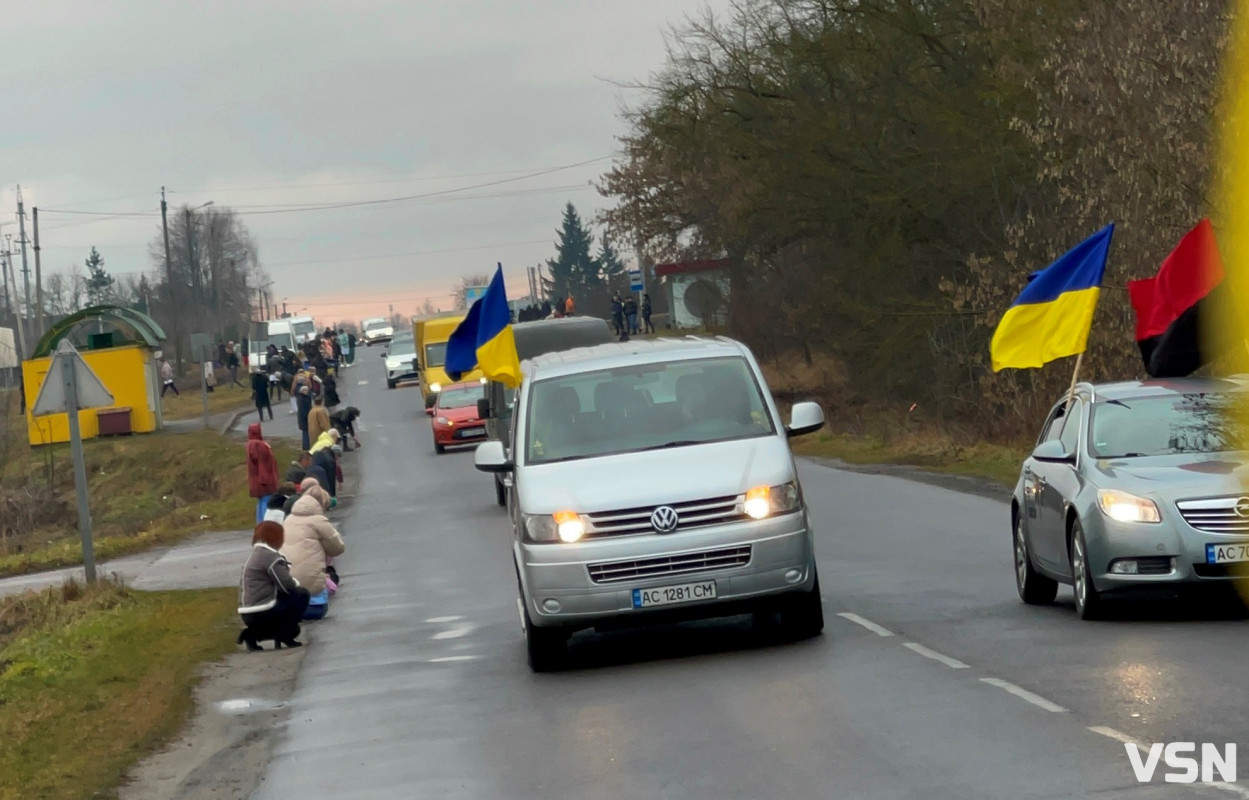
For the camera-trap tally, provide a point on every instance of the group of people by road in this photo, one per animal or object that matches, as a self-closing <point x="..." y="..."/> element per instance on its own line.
<point x="289" y="576"/>
<point x="624" y="315"/>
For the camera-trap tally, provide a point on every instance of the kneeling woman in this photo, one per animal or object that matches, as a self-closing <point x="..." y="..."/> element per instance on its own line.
<point x="271" y="601"/>
<point x="311" y="540"/>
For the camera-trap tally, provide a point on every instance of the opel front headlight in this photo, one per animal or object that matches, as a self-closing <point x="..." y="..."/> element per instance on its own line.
<point x="1124" y="507"/>
<point x="766" y="501"/>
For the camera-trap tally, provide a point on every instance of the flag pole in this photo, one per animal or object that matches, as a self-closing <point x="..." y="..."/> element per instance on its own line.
<point x="1071" y="394"/>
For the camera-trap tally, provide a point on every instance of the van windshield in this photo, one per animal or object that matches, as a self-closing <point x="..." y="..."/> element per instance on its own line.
<point x="305" y="328"/>
<point x="642" y="407"/>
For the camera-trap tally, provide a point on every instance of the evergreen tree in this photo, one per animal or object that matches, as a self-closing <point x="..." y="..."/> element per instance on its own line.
<point x="608" y="259"/>
<point x="573" y="270"/>
<point x="99" y="282"/>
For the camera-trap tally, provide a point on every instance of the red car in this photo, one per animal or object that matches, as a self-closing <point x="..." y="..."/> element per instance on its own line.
<point x="455" y="416"/>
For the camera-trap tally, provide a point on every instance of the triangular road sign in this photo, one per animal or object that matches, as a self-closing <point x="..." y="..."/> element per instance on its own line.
<point x="90" y="389"/>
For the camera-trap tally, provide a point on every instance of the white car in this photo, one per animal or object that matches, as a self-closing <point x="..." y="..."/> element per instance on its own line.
<point x="377" y="330"/>
<point x="400" y="360"/>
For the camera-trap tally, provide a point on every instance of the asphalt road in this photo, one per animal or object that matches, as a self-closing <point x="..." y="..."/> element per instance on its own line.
<point x="938" y="684"/>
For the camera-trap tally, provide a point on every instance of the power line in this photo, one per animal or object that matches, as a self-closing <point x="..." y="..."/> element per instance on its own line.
<point x="326" y="206"/>
<point x="412" y="253"/>
<point x="375" y="182"/>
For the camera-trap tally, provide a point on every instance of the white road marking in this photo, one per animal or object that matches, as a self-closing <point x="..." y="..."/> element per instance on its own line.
<point x="455" y="633"/>
<point x="362" y="383"/>
<point x="866" y="623"/>
<point x="1023" y="694"/>
<point x="445" y="659"/>
<point x="1118" y="736"/>
<point x="437" y="620"/>
<point x="952" y="663"/>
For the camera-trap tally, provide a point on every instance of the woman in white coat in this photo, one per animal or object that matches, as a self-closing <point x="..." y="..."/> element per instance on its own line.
<point x="310" y="540"/>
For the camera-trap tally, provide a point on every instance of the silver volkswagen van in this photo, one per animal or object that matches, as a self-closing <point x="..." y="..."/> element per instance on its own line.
<point x="652" y="481"/>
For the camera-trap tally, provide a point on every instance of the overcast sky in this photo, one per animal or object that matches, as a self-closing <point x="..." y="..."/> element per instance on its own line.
<point x="265" y="103"/>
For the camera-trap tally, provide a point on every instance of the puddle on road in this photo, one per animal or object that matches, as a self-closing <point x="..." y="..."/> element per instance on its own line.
<point x="246" y="705"/>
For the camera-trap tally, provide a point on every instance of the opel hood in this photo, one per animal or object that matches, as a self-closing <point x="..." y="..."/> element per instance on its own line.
<point x="1176" y="477"/>
<point x="655" y="477"/>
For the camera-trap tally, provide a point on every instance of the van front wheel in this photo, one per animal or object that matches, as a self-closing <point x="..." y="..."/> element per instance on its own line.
<point x="802" y="617"/>
<point x="547" y="647"/>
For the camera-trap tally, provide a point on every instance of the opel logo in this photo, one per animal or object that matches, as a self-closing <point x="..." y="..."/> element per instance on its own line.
<point x="1242" y="507"/>
<point x="664" y="519"/>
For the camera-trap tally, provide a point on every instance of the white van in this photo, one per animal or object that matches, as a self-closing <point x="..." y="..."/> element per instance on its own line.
<point x="276" y="332"/>
<point x="652" y="481"/>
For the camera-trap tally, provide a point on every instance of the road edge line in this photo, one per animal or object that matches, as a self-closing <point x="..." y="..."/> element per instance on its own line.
<point x="865" y="623"/>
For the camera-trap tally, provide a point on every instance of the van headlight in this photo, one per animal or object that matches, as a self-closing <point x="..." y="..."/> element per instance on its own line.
<point x="563" y="526"/>
<point x="435" y="387"/>
<point x="766" y="501"/>
<point x="1124" y="507"/>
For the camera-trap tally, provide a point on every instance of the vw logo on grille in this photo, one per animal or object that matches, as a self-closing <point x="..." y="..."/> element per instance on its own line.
<point x="1242" y="507"/>
<point x="664" y="519"/>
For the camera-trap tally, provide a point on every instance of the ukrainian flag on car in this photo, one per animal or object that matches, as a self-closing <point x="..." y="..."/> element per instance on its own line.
<point x="484" y="339"/>
<point x="1052" y="317"/>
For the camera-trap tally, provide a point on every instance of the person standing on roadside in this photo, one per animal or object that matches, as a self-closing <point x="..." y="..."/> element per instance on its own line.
<point x="617" y="313"/>
<point x="647" y="327"/>
<point x="351" y="348"/>
<point x="262" y="469"/>
<point x="318" y="420"/>
<point x="631" y="315"/>
<point x="304" y="401"/>
<point x="166" y="378"/>
<point x="260" y="394"/>
<point x="232" y="364"/>
<point x="569" y="305"/>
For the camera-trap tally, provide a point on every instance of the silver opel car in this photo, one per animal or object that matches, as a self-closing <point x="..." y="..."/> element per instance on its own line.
<point x="1137" y="490"/>
<point x="652" y="481"/>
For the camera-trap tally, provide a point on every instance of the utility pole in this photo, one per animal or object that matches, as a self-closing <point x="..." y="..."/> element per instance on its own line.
<point x="169" y="285"/>
<point x="34" y="215"/>
<point x="190" y="254"/>
<point x="10" y="297"/>
<point x="21" y="232"/>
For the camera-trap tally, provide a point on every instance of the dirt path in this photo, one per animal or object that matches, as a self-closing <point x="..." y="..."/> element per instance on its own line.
<point x="223" y="752"/>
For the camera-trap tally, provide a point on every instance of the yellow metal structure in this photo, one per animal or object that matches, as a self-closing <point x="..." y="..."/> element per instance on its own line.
<point x="129" y="372"/>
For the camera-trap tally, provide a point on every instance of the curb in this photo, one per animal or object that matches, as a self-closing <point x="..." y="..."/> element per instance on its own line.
<point x="233" y="420"/>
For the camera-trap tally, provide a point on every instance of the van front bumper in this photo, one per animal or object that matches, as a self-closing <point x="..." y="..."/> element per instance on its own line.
<point x="559" y="591"/>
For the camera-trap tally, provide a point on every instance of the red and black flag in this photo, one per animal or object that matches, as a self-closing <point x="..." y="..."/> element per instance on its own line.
<point x="1172" y="307"/>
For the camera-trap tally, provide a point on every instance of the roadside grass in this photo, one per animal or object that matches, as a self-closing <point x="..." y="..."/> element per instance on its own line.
<point x="92" y="679"/>
<point x="925" y="449"/>
<point x="190" y="404"/>
<point x="879" y="434"/>
<point x="144" y="491"/>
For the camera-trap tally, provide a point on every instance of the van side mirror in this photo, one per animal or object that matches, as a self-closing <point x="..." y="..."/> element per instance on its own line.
<point x="483" y="408"/>
<point x="491" y="458"/>
<point x="1053" y="451"/>
<point x="804" y="418"/>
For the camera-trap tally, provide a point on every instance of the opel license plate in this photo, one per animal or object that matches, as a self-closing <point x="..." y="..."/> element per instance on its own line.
<point x="1227" y="553"/>
<point x="668" y="595"/>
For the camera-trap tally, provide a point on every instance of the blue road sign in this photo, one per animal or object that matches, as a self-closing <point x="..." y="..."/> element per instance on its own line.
<point x="635" y="280"/>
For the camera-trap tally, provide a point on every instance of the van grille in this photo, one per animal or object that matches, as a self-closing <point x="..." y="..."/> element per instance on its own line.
<point x="1215" y="515"/>
<point x="706" y="561"/>
<point x="690" y="514"/>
